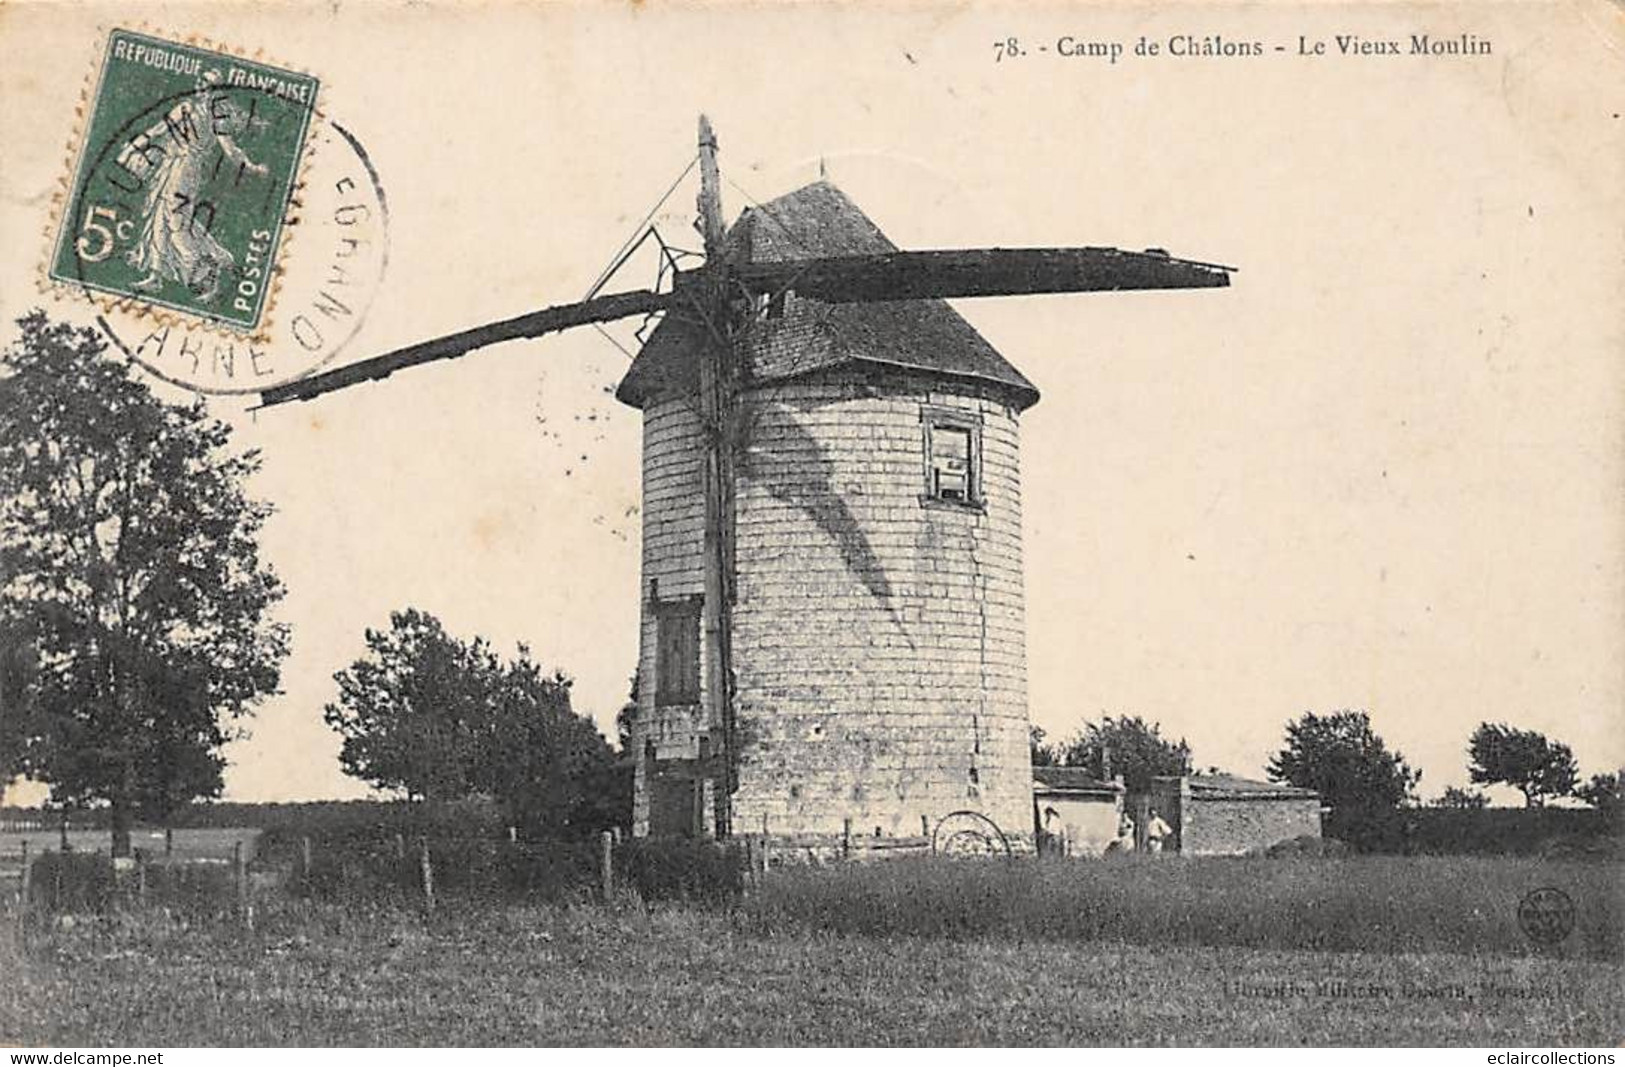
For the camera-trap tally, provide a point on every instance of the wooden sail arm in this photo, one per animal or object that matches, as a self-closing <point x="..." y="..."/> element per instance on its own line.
<point x="919" y="275"/>
<point x="532" y="324"/>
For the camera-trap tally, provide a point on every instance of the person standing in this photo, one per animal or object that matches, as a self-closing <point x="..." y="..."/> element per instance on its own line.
<point x="1156" y="833"/>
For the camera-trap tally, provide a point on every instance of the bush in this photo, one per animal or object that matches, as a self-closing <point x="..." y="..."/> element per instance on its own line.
<point x="681" y="869"/>
<point x="1370" y="828"/>
<point x="1501" y="831"/>
<point x="376" y="865"/>
<point x="196" y="890"/>
<point x="1306" y="845"/>
<point x="71" y="882"/>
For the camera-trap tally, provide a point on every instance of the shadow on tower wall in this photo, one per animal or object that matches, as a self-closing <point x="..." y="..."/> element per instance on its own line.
<point x="797" y="469"/>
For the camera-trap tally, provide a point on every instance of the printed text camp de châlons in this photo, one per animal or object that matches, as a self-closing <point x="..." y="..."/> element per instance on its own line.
<point x="1217" y="46"/>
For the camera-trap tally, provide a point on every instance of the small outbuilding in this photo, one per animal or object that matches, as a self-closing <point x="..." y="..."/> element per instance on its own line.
<point x="1225" y="815"/>
<point x="1073" y="813"/>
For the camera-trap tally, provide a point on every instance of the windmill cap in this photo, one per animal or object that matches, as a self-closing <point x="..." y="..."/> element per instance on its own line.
<point x="817" y="220"/>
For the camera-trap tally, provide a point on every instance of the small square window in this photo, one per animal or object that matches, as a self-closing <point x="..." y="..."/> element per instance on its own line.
<point x="952" y="448"/>
<point x="950" y="463"/>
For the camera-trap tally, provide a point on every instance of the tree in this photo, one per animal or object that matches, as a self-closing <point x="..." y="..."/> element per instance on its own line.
<point x="1127" y="746"/>
<point x="1043" y="753"/>
<point x="627" y="717"/>
<point x="1346" y="762"/>
<point x="413" y="710"/>
<point x="1604" y="794"/>
<point x="550" y="768"/>
<point x="1452" y="797"/>
<point x="1524" y="759"/>
<point x="438" y="718"/>
<point x="132" y="597"/>
<point x="18" y="675"/>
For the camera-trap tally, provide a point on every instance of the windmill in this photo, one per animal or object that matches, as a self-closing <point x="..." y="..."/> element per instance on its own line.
<point x="724" y="385"/>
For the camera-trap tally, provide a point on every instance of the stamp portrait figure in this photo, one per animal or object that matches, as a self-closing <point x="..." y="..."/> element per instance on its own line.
<point x="178" y="156"/>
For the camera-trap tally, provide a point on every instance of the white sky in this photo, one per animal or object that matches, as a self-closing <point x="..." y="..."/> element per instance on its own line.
<point x="1382" y="472"/>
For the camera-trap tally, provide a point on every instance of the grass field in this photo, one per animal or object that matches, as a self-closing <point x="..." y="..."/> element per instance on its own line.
<point x="1383" y="904"/>
<point x="591" y="975"/>
<point x="1185" y="952"/>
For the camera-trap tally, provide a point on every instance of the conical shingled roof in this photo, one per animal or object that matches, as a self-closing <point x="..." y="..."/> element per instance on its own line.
<point x="813" y="221"/>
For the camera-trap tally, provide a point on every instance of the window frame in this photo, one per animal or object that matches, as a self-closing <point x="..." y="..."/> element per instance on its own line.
<point x="933" y="419"/>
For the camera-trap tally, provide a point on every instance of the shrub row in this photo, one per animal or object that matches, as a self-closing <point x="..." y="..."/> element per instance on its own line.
<point x="87" y="882"/>
<point x="373" y="864"/>
<point x="1501" y="831"/>
<point x="376" y="867"/>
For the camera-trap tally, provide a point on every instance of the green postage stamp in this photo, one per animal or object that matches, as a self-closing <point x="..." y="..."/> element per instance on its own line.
<point x="180" y="196"/>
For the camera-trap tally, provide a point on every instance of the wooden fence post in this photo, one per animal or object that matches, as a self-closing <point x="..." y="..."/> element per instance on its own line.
<point x="925" y="825"/>
<point x="427" y="867"/>
<point x="304" y="857"/>
<point x="846" y="838"/>
<point x="239" y="874"/>
<point x="606" y="864"/>
<point x="24" y="879"/>
<point x="169" y="841"/>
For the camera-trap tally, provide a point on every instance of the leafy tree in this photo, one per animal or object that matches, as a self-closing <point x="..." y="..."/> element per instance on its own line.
<point x="18" y="674"/>
<point x="1452" y="797"/>
<point x="438" y="718"/>
<point x="1603" y="792"/>
<point x="549" y="767"/>
<point x="1524" y="759"/>
<point x="1127" y="746"/>
<point x="1346" y="762"/>
<point x="627" y="717"/>
<point x="133" y="602"/>
<point x="414" y="710"/>
<point x="1044" y="754"/>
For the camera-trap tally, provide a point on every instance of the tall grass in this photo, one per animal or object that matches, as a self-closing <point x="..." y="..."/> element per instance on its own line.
<point x="1363" y="903"/>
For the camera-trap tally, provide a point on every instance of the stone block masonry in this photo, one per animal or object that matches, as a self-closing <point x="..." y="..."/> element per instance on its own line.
<point x="1231" y="827"/>
<point x="879" y="636"/>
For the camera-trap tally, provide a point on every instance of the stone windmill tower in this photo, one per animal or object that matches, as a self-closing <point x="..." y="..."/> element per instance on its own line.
<point x="878" y="642"/>
<point x="832" y="630"/>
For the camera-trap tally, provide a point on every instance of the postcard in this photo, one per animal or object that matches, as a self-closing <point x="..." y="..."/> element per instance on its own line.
<point x="787" y="524"/>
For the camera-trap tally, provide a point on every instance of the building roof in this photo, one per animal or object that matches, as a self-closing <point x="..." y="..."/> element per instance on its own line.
<point x="814" y="221"/>
<point x="1072" y="780"/>
<point x="1233" y="787"/>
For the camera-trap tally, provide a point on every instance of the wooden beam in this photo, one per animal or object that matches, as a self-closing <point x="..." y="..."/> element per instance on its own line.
<point x="717" y="397"/>
<point x="980" y="272"/>
<point x="531" y="324"/>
